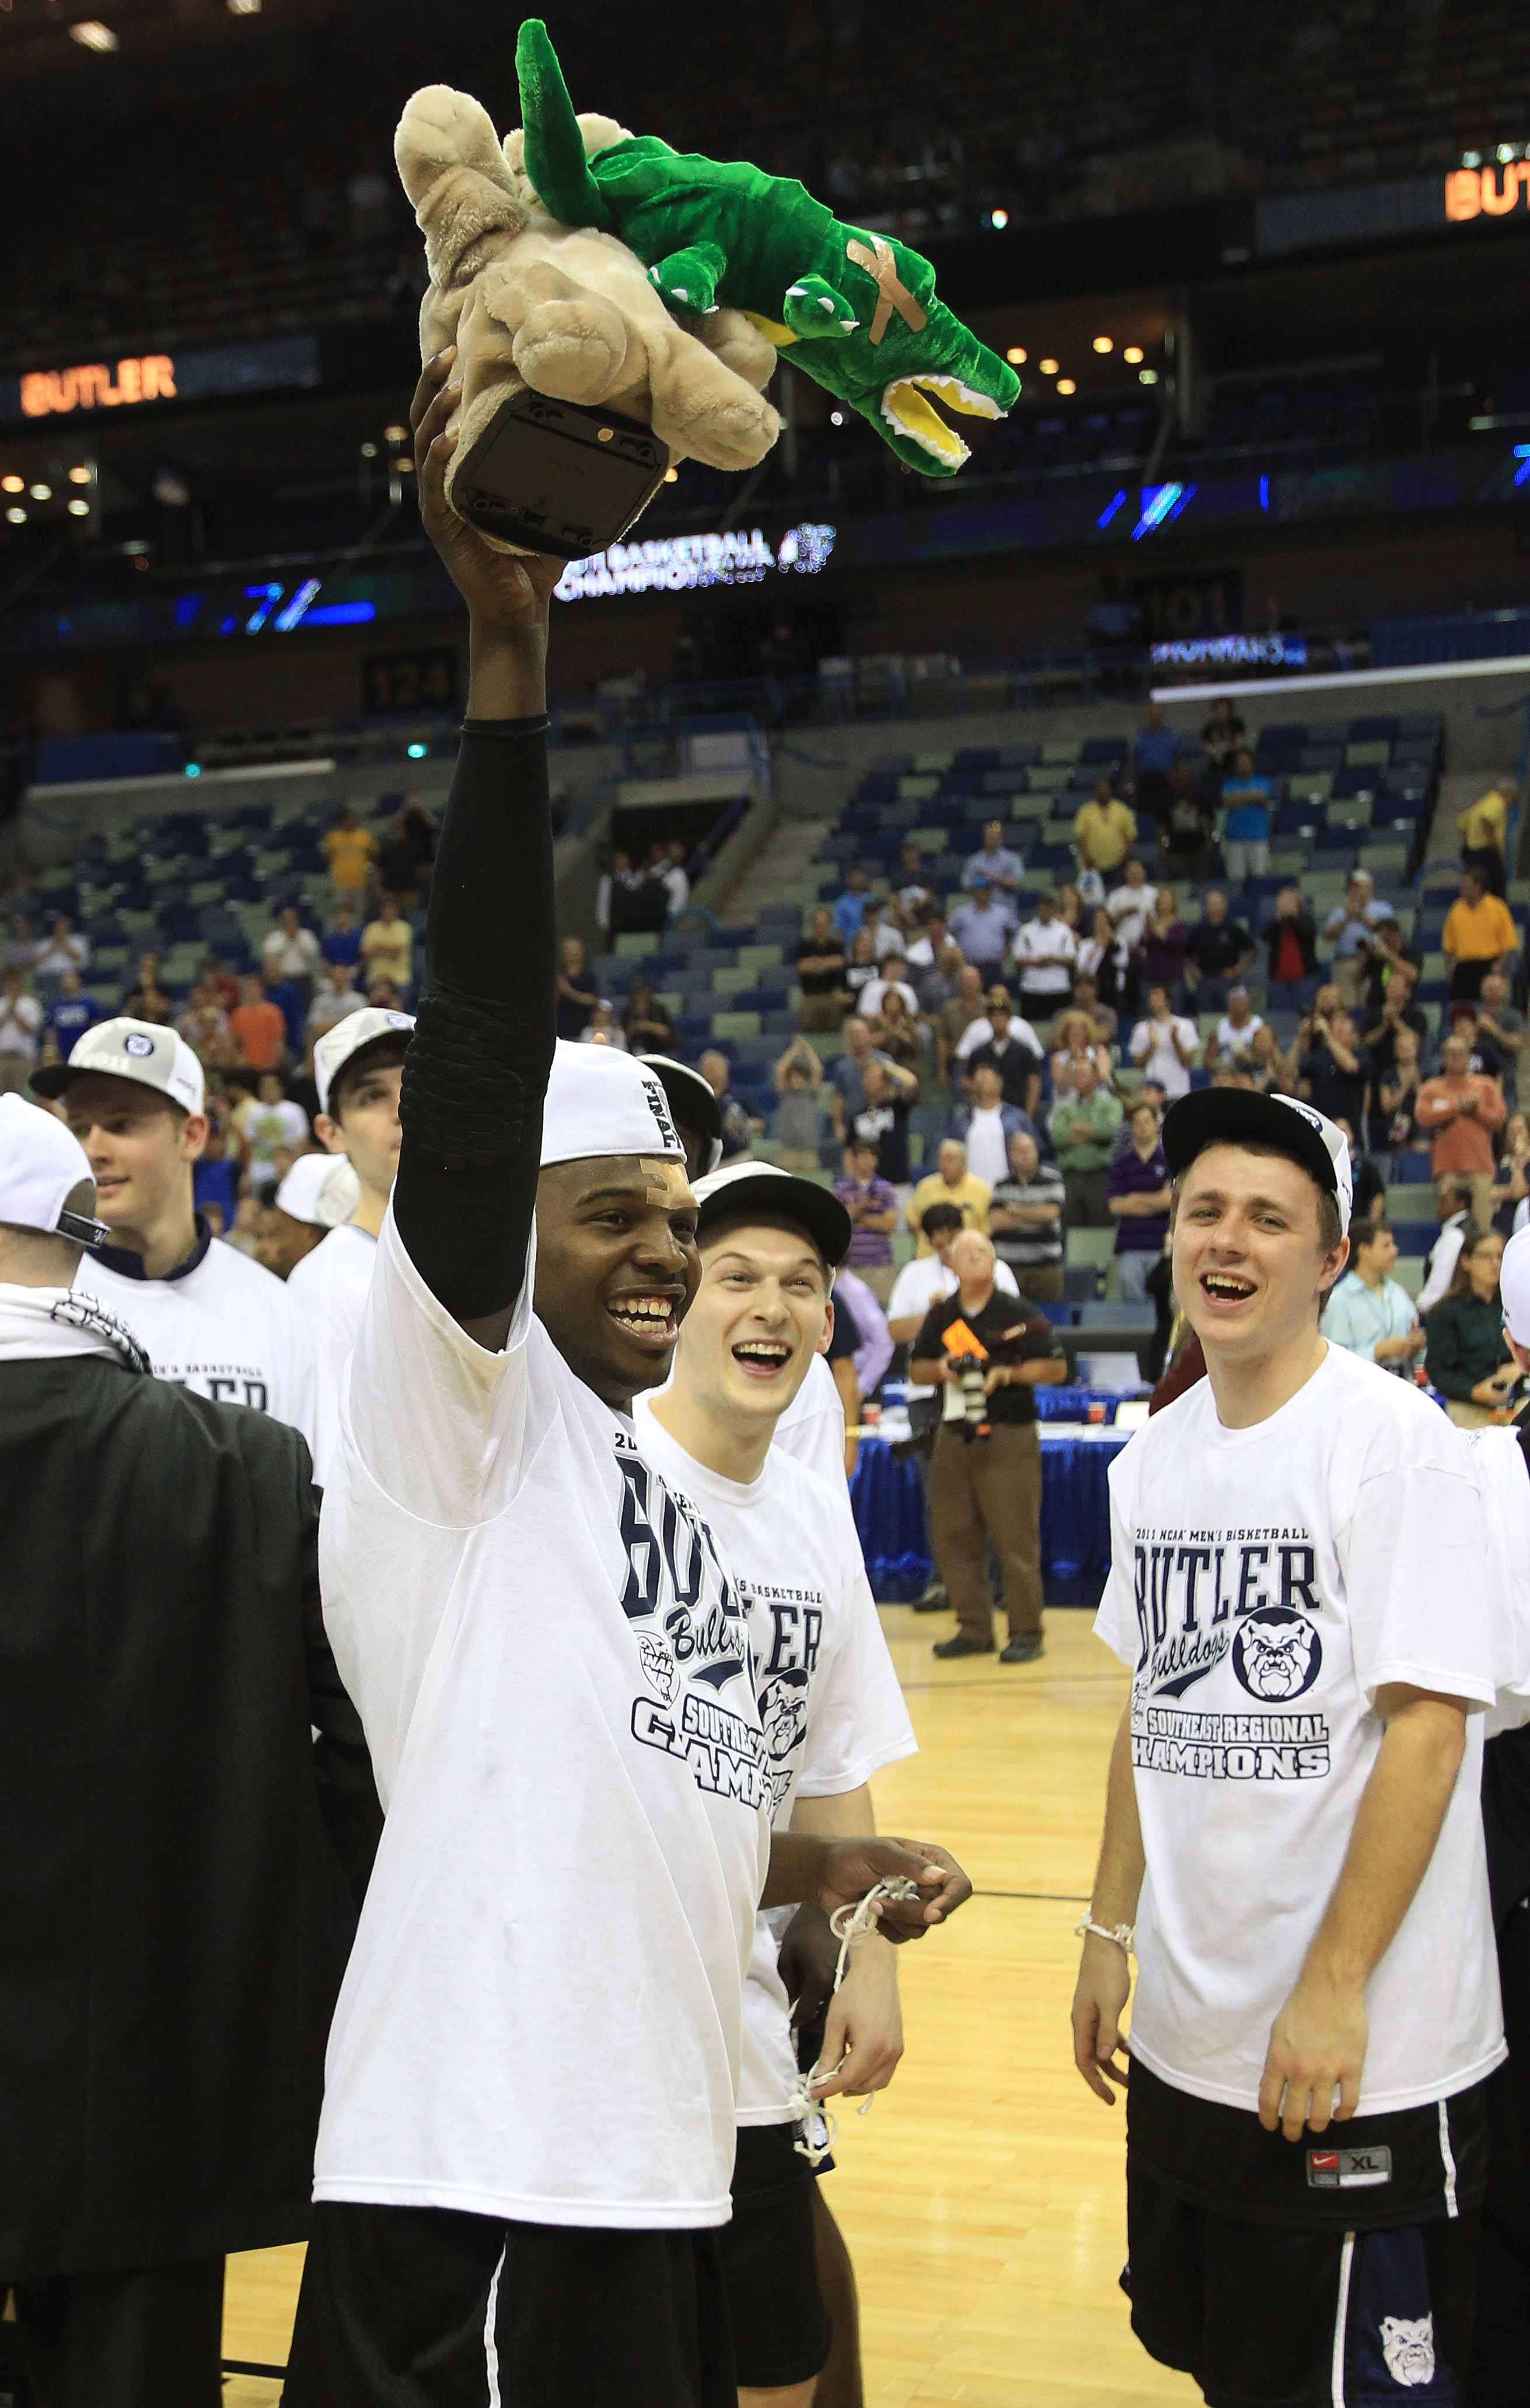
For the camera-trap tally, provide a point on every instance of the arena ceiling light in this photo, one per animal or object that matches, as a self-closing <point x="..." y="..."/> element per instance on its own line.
<point x="17" y="517"/>
<point x="1146" y="376"/>
<point x="79" y="510"/>
<point x="244" y="7"/>
<point x="79" y="476"/>
<point x="1132" y="355"/>
<point x="1104" y="343"/>
<point x="1016" y="355"/>
<point x="12" y="484"/>
<point x="93" y="36"/>
<point x="998" y="219"/>
<point x="1048" y="367"/>
<point x="1066" y="384"/>
<point x="42" y="493"/>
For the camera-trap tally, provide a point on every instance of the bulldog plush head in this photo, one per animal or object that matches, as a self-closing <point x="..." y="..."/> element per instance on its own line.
<point x="567" y="311"/>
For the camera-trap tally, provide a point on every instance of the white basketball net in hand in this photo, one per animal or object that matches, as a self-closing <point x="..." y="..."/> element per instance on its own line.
<point x="848" y="1924"/>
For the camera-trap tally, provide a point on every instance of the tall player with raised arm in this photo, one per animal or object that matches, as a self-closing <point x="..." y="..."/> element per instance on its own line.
<point x="529" y="2117"/>
<point x="1298" y="1582"/>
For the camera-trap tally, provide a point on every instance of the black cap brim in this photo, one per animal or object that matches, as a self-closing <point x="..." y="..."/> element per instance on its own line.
<point x="776" y="1195"/>
<point x="1230" y="1115"/>
<point x="51" y="1080"/>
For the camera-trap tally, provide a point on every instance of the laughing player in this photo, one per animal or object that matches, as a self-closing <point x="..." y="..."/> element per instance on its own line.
<point x="529" y="2117"/>
<point x="1298" y="1582"/>
<point x="831" y="1712"/>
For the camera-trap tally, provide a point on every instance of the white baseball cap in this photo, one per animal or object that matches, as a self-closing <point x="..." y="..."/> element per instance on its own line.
<point x="41" y="1164"/>
<point x="1514" y="1287"/>
<point x="1222" y="1115"/>
<point x="338" y="1045"/>
<point x="600" y="1102"/>
<point x="138" y="1050"/>
<point x="321" y="1189"/>
<point x="778" y="1195"/>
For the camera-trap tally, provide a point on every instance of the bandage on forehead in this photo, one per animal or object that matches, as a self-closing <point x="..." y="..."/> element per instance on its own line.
<point x="602" y="1103"/>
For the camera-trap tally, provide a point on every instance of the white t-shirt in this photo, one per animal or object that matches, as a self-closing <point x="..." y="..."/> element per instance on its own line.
<point x="927" y="1281"/>
<point x="222" y="1325"/>
<point x="830" y="1702"/>
<point x="812" y="1429"/>
<point x="1504" y="1483"/>
<point x="1157" y="1055"/>
<point x="21" y="1017"/>
<point x="329" y="1284"/>
<point x="267" y="1127"/>
<point x="980" y="1032"/>
<point x="1264" y="1583"/>
<point x="1131" y="908"/>
<point x="1237" y="1040"/>
<point x="1045" y="953"/>
<point x="987" y="1148"/>
<point x="875" y="989"/>
<point x="542" y="2017"/>
<point x="1443" y="1256"/>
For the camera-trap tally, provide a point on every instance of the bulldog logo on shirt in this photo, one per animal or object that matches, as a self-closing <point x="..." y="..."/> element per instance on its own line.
<point x="659" y="1667"/>
<point x="1408" y="2345"/>
<point x="1276" y="1654"/>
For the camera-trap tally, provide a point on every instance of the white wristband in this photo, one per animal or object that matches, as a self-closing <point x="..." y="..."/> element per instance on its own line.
<point x="1124" y="1934"/>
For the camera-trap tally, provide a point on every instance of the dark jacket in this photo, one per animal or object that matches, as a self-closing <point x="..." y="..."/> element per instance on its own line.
<point x="1305" y="931"/>
<point x="1466" y="1344"/>
<point x="181" y="1861"/>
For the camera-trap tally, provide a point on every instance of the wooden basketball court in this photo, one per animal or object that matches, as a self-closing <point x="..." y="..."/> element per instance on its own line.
<point x="982" y="2196"/>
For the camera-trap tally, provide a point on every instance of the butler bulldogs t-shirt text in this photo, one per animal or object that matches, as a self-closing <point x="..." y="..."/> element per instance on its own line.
<point x="1265" y="1583"/>
<point x="220" y="1324"/>
<point x="829" y="1703"/>
<point x="551" y="1665"/>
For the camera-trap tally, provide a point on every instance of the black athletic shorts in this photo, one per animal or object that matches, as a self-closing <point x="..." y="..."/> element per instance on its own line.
<point x="406" y="2307"/>
<point x="781" y="2327"/>
<point x="1334" y="2272"/>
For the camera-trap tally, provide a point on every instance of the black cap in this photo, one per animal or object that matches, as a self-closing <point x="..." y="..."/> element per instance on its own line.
<point x="691" y="1101"/>
<point x="747" y="1187"/>
<point x="1226" y="1115"/>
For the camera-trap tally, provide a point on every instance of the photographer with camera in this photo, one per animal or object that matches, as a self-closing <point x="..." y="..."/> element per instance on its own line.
<point x="987" y="1354"/>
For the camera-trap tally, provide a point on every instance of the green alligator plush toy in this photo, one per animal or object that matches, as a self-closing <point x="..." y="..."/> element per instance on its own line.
<point x="858" y="313"/>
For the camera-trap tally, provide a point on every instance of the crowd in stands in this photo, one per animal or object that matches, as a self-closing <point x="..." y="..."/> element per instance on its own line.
<point x="1010" y="968"/>
<point x="998" y="1027"/>
<point x="252" y="1006"/>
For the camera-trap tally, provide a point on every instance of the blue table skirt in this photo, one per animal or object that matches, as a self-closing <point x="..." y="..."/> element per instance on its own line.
<point x="887" y="1500"/>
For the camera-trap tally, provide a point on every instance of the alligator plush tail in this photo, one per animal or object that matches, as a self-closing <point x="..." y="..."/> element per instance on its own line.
<point x="555" y="146"/>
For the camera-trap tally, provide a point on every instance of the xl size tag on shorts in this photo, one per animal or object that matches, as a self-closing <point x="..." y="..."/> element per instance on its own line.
<point x="1347" y="2169"/>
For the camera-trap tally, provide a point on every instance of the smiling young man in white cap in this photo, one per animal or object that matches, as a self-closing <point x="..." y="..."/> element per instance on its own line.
<point x="813" y="1426"/>
<point x="179" y="1855"/>
<point x="830" y="1706"/>
<point x="212" y="1319"/>
<point x="528" y="2110"/>
<point x="1298" y="1568"/>
<point x="358" y="1066"/>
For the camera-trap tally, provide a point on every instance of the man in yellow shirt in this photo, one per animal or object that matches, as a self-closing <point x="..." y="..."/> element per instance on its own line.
<point x="1484" y="832"/>
<point x="1478" y="936"/>
<point x="1105" y="831"/>
<point x="387" y="946"/>
<point x="349" y="850"/>
<point x="950" y="1183"/>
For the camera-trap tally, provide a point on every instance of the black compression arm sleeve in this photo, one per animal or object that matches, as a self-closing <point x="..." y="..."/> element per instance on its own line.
<point x="477" y="1070"/>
